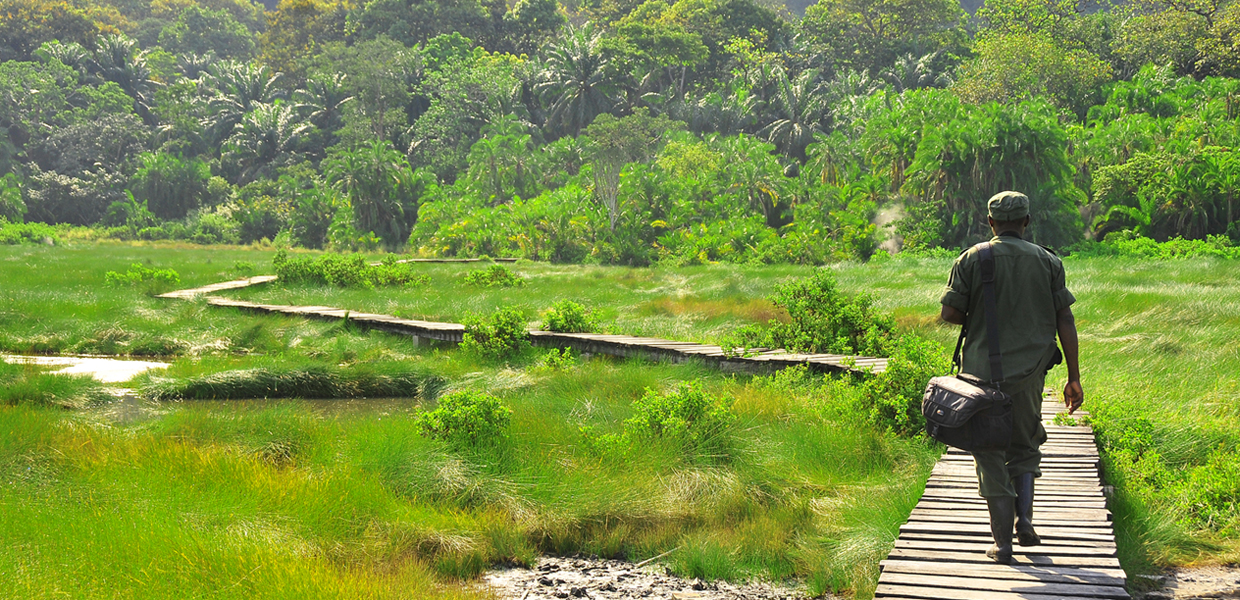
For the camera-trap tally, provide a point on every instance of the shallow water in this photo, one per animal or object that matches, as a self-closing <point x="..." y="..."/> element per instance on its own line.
<point x="105" y="369"/>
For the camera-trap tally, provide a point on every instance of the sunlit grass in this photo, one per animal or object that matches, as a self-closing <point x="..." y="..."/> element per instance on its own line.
<point x="269" y="499"/>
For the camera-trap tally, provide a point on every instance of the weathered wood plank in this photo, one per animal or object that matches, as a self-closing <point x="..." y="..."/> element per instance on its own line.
<point x="1019" y="586"/>
<point x="1098" y="576"/>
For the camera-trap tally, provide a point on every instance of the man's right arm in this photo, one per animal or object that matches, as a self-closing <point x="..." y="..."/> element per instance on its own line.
<point x="1065" y="325"/>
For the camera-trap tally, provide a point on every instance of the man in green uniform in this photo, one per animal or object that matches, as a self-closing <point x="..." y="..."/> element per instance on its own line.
<point x="1033" y="305"/>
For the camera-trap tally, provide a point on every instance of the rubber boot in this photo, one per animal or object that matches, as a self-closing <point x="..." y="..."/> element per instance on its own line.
<point x="1025" y="535"/>
<point x="1002" y="514"/>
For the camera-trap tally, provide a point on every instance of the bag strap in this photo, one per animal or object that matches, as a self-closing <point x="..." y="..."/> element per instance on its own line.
<point x="960" y="344"/>
<point x="992" y="313"/>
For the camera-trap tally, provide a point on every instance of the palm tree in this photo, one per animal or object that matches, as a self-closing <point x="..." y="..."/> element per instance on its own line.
<point x="267" y="136"/>
<point x="236" y="89"/>
<point x="118" y="59"/>
<point x="322" y="100"/>
<point x="575" y="81"/>
<point x="911" y="73"/>
<point x="382" y="189"/>
<point x="801" y="110"/>
<point x="192" y="65"/>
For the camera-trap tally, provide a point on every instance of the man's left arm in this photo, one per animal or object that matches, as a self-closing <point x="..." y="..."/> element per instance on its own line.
<point x="951" y="315"/>
<point x="1065" y="325"/>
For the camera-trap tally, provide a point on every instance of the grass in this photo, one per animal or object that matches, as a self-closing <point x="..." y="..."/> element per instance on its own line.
<point x="271" y="498"/>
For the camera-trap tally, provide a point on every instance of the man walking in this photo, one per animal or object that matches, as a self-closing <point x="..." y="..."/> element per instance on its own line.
<point x="1033" y="305"/>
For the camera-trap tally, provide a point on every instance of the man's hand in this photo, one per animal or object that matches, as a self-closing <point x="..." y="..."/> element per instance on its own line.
<point x="1073" y="396"/>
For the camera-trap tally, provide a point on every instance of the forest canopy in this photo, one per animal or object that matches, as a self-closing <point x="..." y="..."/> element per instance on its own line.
<point x="617" y="131"/>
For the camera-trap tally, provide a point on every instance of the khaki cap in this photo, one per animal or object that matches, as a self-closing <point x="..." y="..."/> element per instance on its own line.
<point x="1008" y="206"/>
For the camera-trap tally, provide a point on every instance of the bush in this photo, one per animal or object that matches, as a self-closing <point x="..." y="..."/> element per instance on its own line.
<point x="559" y="359"/>
<point x="341" y="270"/>
<point x="892" y="399"/>
<point x="494" y="276"/>
<point x="26" y="233"/>
<point x="567" y="316"/>
<point x="822" y="319"/>
<point x="1131" y="245"/>
<point x="502" y="336"/>
<point x="698" y="424"/>
<point x="158" y="279"/>
<point x="467" y="419"/>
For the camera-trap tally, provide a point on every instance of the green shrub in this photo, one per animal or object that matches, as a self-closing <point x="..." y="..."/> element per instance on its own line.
<point x="156" y="279"/>
<point x="467" y="419"/>
<point x="501" y="336"/>
<point x="494" y="276"/>
<point x="698" y="424"/>
<point x="1128" y="244"/>
<point x="567" y="316"/>
<point x="26" y="233"/>
<point x="347" y="271"/>
<point x="892" y="399"/>
<point x="822" y="319"/>
<point x="559" y="359"/>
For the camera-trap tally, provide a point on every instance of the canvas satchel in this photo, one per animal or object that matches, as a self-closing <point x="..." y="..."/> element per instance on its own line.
<point x="963" y="411"/>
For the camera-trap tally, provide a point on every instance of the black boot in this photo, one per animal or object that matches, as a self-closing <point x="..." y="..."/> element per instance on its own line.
<point x="1024" y="511"/>
<point x="1002" y="514"/>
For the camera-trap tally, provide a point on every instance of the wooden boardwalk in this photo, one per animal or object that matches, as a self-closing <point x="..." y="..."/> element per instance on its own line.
<point x="612" y="345"/>
<point x="941" y="551"/>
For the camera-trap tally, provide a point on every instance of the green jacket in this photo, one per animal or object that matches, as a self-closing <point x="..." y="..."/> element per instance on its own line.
<point x="1029" y="291"/>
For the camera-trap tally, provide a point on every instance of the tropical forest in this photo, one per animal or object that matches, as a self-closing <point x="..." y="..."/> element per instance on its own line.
<point x="544" y="299"/>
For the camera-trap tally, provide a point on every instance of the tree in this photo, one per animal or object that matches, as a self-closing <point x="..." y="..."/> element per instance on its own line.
<point x="378" y="75"/>
<point x="170" y="185"/>
<point x="967" y="153"/>
<point x="382" y="190"/>
<point x="575" y="82"/>
<point x="12" y="207"/>
<point x="615" y="143"/>
<point x="800" y="109"/>
<point x="531" y="24"/>
<point x="413" y="22"/>
<point x="26" y="24"/>
<point x="266" y="138"/>
<point x="868" y="35"/>
<point x="118" y="59"/>
<point x="1014" y="67"/>
<point x="201" y="31"/>
<point x="238" y="88"/>
<point x="504" y="163"/>
<point x="298" y="29"/>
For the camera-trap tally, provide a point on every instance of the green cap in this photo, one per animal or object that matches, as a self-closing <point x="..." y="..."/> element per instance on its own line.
<point x="1008" y="206"/>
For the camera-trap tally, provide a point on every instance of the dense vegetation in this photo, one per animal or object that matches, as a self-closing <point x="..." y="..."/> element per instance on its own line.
<point x="793" y="475"/>
<point x="618" y="132"/>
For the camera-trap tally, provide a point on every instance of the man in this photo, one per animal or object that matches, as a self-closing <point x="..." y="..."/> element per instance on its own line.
<point x="1033" y="306"/>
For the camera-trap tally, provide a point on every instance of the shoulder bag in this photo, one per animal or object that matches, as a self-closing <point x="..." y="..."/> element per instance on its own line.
<point x="963" y="411"/>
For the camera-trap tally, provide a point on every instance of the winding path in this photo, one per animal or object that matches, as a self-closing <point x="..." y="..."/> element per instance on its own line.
<point x="941" y="551"/>
<point x="613" y="345"/>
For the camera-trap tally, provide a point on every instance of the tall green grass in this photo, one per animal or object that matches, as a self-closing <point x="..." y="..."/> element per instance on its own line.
<point x="297" y="491"/>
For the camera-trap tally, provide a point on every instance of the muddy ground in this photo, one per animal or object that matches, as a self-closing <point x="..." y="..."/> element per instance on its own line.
<point x="578" y="577"/>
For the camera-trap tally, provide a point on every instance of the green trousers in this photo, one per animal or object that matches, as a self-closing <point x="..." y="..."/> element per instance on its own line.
<point x="996" y="469"/>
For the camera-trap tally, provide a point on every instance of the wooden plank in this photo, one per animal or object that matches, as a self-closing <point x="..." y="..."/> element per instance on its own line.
<point x="983" y="545"/>
<point x="930" y="593"/>
<point x="952" y="557"/>
<point x="1103" y="546"/>
<point x="1020" y="586"/>
<point x="1097" y="576"/>
<point x="1047" y="517"/>
<point x="1045" y="530"/>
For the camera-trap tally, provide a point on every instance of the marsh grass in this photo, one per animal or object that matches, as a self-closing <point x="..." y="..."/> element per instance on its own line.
<point x="363" y="380"/>
<point x="271" y="499"/>
<point x="31" y="385"/>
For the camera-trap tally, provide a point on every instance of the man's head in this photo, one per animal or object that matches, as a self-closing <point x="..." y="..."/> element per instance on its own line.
<point x="1008" y="211"/>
